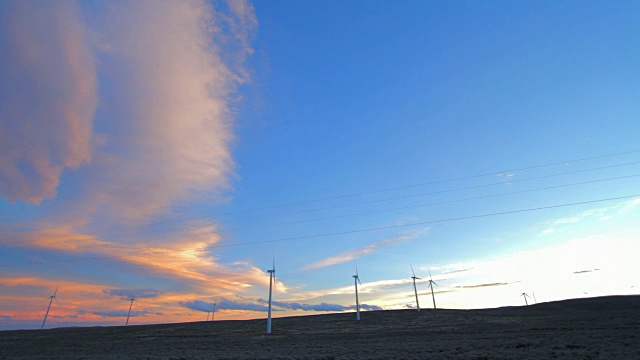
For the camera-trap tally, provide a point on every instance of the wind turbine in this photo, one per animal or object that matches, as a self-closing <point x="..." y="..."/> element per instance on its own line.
<point x="356" y="280"/>
<point x="431" y="282"/>
<point x="414" y="286"/>
<point x="272" y="278"/>
<point x="129" y="313"/>
<point x="213" y="312"/>
<point x="49" y="307"/>
<point x="525" y="296"/>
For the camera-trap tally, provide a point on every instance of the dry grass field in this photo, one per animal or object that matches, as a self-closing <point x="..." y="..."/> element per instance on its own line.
<point x="592" y="328"/>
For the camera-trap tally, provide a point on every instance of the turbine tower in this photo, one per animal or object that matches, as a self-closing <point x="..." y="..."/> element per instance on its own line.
<point x="213" y="312"/>
<point x="414" y="287"/>
<point x="431" y="282"/>
<point x="356" y="280"/>
<point x="129" y="313"/>
<point x="525" y="296"/>
<point x="272" y="278"/>
<point x="49" y="307"/>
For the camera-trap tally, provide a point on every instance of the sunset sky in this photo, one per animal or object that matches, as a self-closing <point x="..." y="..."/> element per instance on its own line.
<point x="171" y="151"/>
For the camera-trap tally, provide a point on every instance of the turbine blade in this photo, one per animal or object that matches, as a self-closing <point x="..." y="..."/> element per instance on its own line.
<point x="56" y="292"/>
<point x="430" y="277"/>
<point x="413" y="272"/>
<point x="356" y="268"/>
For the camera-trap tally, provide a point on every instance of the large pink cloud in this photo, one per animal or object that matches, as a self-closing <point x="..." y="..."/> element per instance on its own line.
<point x="47" y="99"/>
<point x="170" y="103"/>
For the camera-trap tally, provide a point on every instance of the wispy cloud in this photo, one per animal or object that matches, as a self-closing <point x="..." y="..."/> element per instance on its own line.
<point x="585" y="271"/>
<point x="602" y="213"/>
<point x="354" y="254"/>
<point x="134" y="293"/>
<point x="119" y="313"/>
<point x="484" y="285"/>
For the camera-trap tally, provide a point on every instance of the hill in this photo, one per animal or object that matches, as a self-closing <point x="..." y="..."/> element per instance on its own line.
<point x="604" y="327"/>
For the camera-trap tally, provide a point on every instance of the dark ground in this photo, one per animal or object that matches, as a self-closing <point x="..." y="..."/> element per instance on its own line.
<point x="593" y="328"/>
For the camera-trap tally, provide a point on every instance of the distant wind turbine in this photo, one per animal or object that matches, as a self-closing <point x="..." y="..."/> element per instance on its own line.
<point x="213" y="312"/>
<point x="414" y="286"/>
<point x="525" y="296"/>
<point x="356" y="280"/>
<point x="272" y="278"/>
<point x="431" y="282"/>
<point x="49" y="307"/>
<point x="534" y="297"/>
<point x="129" y="313"/>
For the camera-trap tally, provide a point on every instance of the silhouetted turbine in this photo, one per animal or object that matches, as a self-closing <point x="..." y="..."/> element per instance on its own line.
<point x="356" y="280"/>
<point x="431" y="282"/>
<point x="49" y="307"/>
<point x="525" y="296"/>
<point x="272" y="277"/>
<point x="129" y="313"/>
<point x="414" y="287"/>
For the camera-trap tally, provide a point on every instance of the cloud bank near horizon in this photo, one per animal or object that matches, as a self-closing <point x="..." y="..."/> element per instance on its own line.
<point x="262" y="305"/>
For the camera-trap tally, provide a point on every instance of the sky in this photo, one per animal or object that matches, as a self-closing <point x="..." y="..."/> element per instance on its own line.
<point x="172" y="152"/>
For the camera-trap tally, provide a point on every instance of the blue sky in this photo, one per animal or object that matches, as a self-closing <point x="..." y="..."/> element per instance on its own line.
<point x="175" y="163"/>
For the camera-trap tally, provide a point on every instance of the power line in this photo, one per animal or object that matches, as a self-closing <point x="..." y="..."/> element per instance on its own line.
<point x="440" y="202"/>
<point x="431" y="193"/>
<point x="381" y="200"/>
<point x="377" y="191"/>
<point x="428" y="222"/>
<point x="336" y="233"/>
<point x="379" y="211"/>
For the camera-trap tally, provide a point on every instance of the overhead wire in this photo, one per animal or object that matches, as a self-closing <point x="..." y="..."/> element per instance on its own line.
<point x="376" y="191"/>
<point x="374" y="201"/>
<point x="346" y="232"/>
<point x="367" y="212"/>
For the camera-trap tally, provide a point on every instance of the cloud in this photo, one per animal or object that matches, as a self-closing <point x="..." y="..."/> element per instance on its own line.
<point x="169" y="74"/>
<point x="227" y="304"/>
<point x="602" y="213"/>
<point x="170" y="105"/>
<point x="262" y="305"/>
<point x="120" y="313"/>
<point x="47" y="99"/>
<point x="321" y="306"/>
<point x="133" y="293"/>
<point x="484" y="285"/>
<point x="354" y="254"/>
<point x="585" y="271"/>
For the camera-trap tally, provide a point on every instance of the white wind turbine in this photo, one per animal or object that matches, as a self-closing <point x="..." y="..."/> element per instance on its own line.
<point x="525" y="296"/>
<point x="414" y="287"/>
<point x="129" y="313"/>
<point x="49" y="307"/>
<point x="356" y="280"/>
<point x="272" y="278"/>
<point x="431" y="282"/>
